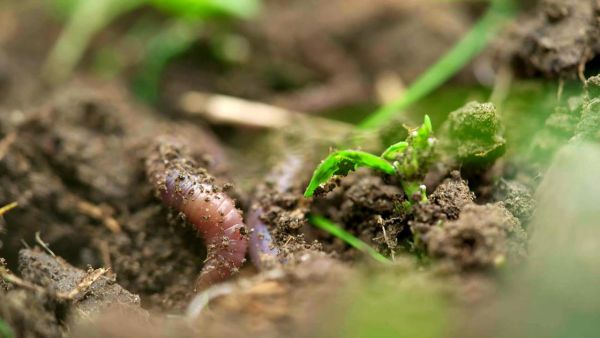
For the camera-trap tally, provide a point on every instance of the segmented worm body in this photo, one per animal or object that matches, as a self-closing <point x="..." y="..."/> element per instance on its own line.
<point x="185" y="187"/>
<point x="262" y="249"/>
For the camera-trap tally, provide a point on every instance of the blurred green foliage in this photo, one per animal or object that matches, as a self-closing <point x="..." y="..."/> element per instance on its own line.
<point x="5" y="330"/>
<point x="399" y="302"/>
<point x="84" y="19"/>
<point x="208" y="8"/>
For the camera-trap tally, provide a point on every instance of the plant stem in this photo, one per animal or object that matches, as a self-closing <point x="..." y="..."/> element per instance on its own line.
<point x="465" y="50"/>
<point x="332" y="228"/>
<point x="411" y="188"/>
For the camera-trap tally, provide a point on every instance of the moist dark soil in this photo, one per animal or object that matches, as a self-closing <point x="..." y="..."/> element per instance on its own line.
<point x="91" y="251"/>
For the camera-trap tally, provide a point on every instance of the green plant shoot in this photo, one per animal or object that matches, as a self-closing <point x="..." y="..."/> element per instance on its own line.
<point x="332" y="228"/>
<point x="342" y="162"/>
<point x="408" y="160"/>
<point x="392" y="151"/>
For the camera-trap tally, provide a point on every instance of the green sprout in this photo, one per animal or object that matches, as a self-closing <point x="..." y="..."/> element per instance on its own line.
<point x="408" y="160"/>
<point x="332" y="228"/>
<point x="342" y="162"/>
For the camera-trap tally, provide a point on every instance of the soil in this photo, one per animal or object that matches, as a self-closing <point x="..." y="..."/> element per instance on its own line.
<point x="91" y="251"/>
<point x="558" y="38"/>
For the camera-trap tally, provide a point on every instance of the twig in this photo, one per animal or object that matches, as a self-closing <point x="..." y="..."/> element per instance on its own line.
<point x="228" y="109"/>
<point x="44" y="245"/>
<point x="221" y="108"/>
<point x="96" y="212"/>
<point x="388" y="242"/>
<point x="25" y="244"/>
<point x="12" y="279"/>
<point x="104" y="253"/>
<point x="8" y="207"/>
<point x="83" y="286"/>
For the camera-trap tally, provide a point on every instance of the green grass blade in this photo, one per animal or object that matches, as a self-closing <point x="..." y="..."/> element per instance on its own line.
<point x="473" y="43"/>
<point x="332" y="228"/>
<point x="342" y="162"/>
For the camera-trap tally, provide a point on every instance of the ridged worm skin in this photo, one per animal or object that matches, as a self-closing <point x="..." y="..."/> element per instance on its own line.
<point x="182" y="185"/>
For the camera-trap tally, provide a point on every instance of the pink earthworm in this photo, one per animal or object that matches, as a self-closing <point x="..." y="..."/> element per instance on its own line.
<point x="262" y="248"/>
<point x="182" y="185"/>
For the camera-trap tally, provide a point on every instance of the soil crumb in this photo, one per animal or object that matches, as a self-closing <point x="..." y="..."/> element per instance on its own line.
<point x="368" y="206"/>
<point x="446" y="203"/>
<point x="483" y="236"/>
<point x="517" y="198"/>
<point x="558" y="38"/>
<point x="89" y="291"/>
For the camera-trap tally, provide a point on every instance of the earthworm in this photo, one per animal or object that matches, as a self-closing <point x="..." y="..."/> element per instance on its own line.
<point x="262" y="249"/>
<point x="182" y="185"/>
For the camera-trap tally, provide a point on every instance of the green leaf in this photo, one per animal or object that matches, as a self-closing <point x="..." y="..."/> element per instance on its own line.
<point x="209" y="8"/>
<point x="335" y="230"/>
<point x="393" y="150"/>
<point x="421" y="139"/>
<point x="342" y="162"/>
